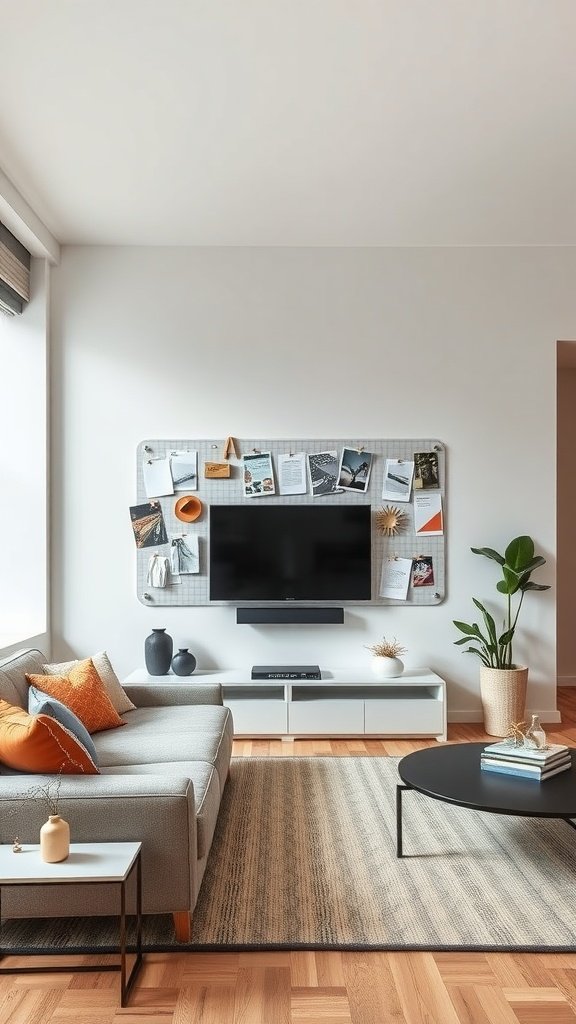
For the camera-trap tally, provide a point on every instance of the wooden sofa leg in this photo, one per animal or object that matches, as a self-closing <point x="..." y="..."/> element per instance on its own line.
<point x="182" y="925"/>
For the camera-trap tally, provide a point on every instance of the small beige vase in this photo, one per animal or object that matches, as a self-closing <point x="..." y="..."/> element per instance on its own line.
<point x="54" y="839"/>
<point x="503" y="693"/>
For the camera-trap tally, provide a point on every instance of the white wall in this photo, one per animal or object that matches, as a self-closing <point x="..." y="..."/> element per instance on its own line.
<point x="458" y="344"/>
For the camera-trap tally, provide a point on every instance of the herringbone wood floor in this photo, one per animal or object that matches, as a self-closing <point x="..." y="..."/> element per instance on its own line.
<point x="316" y="988"/>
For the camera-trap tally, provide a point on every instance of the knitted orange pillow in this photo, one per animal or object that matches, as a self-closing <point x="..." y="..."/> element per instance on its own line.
<point x="38" y="743"/>
<point x="82" y="690"/>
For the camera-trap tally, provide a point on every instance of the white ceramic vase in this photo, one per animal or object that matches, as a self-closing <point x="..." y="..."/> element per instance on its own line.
<point x="54" y="839"/>
<point x="387" y="668"/>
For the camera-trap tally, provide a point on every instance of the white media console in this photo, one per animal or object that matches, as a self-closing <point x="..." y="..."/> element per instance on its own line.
<point x="344" y="702"/>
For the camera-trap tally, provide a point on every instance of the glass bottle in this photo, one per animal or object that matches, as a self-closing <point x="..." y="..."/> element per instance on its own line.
<point x="535" y="735"/>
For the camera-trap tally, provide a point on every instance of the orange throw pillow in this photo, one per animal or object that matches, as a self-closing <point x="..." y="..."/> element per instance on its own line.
<point x="82" y="690"/>
<point x="38" y="743"/>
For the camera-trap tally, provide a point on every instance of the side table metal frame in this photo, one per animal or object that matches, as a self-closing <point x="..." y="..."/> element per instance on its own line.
<point x="126" y="980"/>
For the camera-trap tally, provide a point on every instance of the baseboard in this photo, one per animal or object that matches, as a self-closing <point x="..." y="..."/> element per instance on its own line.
<point x="546" y="717"/>
<point x="566" y="680"/>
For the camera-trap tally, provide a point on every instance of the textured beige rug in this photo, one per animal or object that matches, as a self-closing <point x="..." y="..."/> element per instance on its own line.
<point x="305" y="857"/>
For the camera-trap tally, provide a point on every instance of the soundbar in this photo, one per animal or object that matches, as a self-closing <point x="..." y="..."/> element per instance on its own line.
<point x="286" y="672"/>
<point x="288" y="615"/>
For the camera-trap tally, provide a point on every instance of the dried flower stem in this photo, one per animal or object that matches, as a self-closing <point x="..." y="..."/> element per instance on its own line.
<point x="387" y="648"/>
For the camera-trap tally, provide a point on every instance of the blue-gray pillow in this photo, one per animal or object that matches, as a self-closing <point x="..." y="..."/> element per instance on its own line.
<point x="40" y="703"/>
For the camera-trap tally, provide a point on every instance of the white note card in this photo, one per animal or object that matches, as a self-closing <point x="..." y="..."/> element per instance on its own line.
<point x="395" y="578"/>
<point x="157" y="477"/>
<point x="292" y="473"/>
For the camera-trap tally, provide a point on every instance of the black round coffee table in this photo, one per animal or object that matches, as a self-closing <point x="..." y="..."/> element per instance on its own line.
<point x="452" y="774"/>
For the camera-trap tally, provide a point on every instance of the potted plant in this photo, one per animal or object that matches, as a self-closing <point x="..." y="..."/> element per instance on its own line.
<point x="502" y="682"/>
<point x="386" y="663"/>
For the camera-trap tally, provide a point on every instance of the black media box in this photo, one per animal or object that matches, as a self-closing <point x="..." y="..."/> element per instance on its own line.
<point x="286" y="672"/>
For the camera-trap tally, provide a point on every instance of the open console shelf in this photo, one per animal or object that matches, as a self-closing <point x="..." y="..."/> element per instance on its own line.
<point x="343" y="702"/>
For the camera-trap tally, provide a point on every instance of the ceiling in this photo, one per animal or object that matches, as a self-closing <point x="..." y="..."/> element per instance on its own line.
<point x="292" y="122"/>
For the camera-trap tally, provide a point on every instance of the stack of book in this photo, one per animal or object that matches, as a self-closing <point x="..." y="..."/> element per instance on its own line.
<point x="526" y="763"/>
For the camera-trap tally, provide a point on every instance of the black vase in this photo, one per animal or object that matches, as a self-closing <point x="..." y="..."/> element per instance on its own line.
<point x="158" y="652"/>
<point x="183" y="663"/>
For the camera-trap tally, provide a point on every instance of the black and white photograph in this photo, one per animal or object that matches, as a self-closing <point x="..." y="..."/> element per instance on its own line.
<point x="184" y="469"/>
<point x="426" y="470"/>
<point x="323" y="470"/>
<point x="423" y="571"/>
<point x="355" y="466"/>
<point x="184" y="554"/>
<point x="398" y="479"/>
<point x="148" y="524"/>
<point x="258" y="474"/>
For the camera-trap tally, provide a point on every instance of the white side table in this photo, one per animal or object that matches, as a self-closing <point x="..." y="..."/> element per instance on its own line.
<point x="101" y="863"/>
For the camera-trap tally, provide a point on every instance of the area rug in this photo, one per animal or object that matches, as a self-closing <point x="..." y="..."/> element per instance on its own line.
<point x="304" y="857"/>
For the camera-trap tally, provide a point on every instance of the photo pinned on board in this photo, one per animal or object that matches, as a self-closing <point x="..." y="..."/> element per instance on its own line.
<point x="423" y="571"/>
<point x="426" y="472"/>
<point x="323" y="470"/>
<point x="398" y="479"/>
<point x="258" y="474"/>
<point x="184" y="469"/>
<point x="355" y="466"/>
<point x="185" y="554"/>
<point x="148" y="524"/>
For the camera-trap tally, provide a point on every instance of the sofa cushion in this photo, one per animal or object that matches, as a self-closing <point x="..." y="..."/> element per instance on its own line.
<point x="38" y="743"/>
<point x="206" y="791"/>
<point x="161" y="735"/>
<point x="13" y="683"/>
<point x="83" y="692"/>
<point x="112" y="684"/>
<point x="40" y="703"/>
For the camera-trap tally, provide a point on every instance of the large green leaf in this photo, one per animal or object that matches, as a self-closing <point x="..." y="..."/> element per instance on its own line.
<point x="506" y="638"/>
<point x="535" y="586"/>
<point x="512" y="579"/>
<point x="519" y="553"/>
<point x="474" y="650"/>
<point x="470" y="630"/>
<point x="489" y="553"/>
<point x="465" y="628"/>
<point x="535" y="563"/>
<point x="510" y="583"/>
<point x="488" y="620"/>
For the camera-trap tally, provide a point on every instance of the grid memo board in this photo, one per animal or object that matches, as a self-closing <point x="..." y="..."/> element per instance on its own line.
<point x="193" y="589"/>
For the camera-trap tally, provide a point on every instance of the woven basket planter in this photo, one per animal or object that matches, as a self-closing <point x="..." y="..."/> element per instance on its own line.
<point x="503" y="693"/>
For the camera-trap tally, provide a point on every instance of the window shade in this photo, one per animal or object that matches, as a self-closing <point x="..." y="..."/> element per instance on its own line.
<point x="14" y="273"/>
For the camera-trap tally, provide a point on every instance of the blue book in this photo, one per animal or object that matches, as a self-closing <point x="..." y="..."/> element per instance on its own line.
<point x="519" y="773"/>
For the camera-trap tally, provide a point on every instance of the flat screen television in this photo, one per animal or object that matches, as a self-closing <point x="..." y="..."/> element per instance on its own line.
<point x="290" y="552"/>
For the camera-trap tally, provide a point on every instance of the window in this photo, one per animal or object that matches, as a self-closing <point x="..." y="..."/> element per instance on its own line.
<point x="24" y="466"/>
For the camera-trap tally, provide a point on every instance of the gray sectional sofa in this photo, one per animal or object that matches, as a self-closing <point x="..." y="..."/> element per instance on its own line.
<point x="161" y="782"/>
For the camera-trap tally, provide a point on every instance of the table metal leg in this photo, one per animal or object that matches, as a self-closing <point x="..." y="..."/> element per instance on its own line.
<point x="127" y="983"/>
<point x="399" y="788"/>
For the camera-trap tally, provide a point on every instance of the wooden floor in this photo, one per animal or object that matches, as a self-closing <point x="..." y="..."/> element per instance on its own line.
<point x="316" y="988"/>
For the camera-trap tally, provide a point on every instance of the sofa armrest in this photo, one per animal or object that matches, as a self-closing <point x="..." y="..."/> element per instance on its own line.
<point x="156" y="810"/>
<point x="155" y="695"/>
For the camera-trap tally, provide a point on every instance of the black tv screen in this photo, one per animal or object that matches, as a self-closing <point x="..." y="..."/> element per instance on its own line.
<point x="290" y="553"/>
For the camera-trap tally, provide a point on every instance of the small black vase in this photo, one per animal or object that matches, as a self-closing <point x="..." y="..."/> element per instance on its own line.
<point x="158" y="652"/>
<point x="183" y="663"/>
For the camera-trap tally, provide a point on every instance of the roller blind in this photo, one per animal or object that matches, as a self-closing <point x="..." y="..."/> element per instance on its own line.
<point x="14" y="273"/>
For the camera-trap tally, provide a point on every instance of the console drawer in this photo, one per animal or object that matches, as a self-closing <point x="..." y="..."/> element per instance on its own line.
<point x="326" y="717"/>
<point x="403" y="717"/>
<point x="258" y="717"/>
